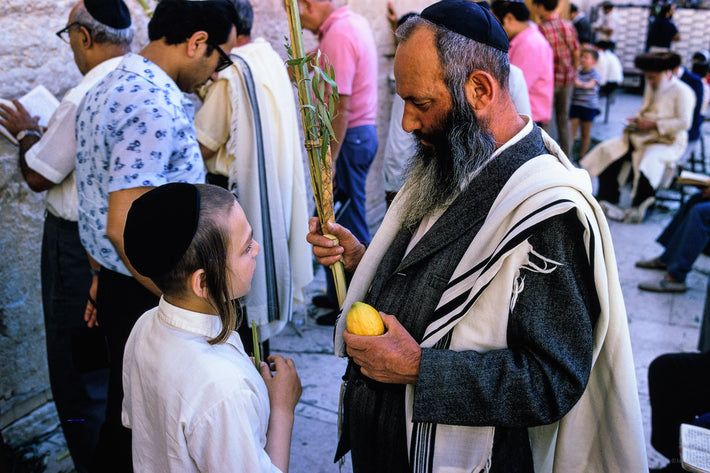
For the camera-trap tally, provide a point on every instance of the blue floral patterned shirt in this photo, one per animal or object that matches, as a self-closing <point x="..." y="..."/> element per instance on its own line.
<point x="134" y="129"/>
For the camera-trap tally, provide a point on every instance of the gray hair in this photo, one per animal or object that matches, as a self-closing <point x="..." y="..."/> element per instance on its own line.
<point x="462" y="144"/>
<point x="460" y="56"/>
<point x="100" y="32"/>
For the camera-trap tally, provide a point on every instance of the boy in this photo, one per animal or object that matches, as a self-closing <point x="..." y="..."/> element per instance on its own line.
<point x="192" y="397"/>
<point x="585" y="98"/>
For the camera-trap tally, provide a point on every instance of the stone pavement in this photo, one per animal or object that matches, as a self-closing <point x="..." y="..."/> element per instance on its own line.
<point x="658" y="323"/>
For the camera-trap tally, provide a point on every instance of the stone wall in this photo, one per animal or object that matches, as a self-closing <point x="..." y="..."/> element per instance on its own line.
<point x="31" y="55"/>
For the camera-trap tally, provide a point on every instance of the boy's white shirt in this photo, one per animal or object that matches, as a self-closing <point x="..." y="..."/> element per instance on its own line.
<point x="192" y="406"/>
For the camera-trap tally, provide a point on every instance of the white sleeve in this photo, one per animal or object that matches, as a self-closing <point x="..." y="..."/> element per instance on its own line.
<point x="54" y="156"/>
<point x="399" y="148"/>
<point x="519" y="91"/>
<point x="616" y="71"/>
<point x="212" y="121"/>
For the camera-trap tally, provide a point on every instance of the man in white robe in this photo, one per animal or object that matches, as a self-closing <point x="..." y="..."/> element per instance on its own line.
<point x="227" y="132"/>
<point x="653" y="141"/>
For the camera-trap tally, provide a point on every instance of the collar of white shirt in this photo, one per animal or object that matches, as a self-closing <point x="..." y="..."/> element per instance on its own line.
<point x="207" y="325"/>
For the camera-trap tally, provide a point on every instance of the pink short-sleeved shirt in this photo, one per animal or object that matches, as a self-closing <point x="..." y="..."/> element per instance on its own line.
<point x="347" y="42"/>
<point x="530" y="51"/>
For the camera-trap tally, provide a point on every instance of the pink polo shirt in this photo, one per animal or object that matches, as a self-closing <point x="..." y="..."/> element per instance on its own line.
<point x="530" y="51"/>
<point x="347" y="42"/>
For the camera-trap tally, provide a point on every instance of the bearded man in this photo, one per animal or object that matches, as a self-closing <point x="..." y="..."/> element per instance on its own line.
<point x="508" y="348"/>
<point x="653" y="141"/>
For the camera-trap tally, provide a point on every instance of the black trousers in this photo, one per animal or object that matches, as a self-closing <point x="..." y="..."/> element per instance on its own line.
<point x="609" y="184"/>
<point x="121" y="300"/>
<point x="76" y="354"/>
<point x="679" y="389"/>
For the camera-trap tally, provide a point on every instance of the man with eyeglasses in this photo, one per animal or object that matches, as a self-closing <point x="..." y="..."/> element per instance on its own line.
<point x="268" y="180"/>
<point x="99" y="34"/>
<point x="134" y="132"/>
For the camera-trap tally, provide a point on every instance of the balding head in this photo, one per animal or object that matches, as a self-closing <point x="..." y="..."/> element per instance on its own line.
<point x="93" y="42"/>
<point x="101" y="32"/>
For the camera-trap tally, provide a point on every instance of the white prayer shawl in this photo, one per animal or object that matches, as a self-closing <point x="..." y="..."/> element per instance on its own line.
<point x="603" y="432"/>
<point x="671" y="107"/>
<point x="285" y="180"/>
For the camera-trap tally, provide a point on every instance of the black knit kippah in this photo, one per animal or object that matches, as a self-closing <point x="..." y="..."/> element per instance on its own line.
<point x="657" y="61"/>
<point x="468" y="19"/>
<point x="160" y="227"/>
<point x="113" y="13"/>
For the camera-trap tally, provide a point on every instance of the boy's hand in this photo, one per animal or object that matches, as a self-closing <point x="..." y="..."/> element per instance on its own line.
<point x="282" y="382"/>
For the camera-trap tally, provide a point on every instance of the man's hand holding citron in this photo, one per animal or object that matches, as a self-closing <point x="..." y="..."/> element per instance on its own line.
<point x="363" y="319"/>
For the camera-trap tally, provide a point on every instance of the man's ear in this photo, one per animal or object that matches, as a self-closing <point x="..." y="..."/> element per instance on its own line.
<point x="480" y="90"/>
<point x="86" y="40"/>
<point x="507" y="17"/>
<point x="194" y="42"/>
<point x="307" y="5"/>
<point x="197" y="284"/>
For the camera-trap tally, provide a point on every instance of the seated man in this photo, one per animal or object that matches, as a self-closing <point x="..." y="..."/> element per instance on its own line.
<point x="684" y="238"/>
<point x="653" y="140"/>
<point x="679" y="392"/>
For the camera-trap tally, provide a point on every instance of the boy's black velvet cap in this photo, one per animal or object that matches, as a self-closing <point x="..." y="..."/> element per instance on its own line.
<point x="113" y="13"/>
<point x="468" y="19"/>
<point x="160" y="227"/>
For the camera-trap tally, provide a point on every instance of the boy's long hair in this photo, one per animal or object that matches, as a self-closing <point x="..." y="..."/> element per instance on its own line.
<point x="208" y="251"/>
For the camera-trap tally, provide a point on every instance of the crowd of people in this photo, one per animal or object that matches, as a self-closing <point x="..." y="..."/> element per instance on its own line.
<point x="511" y="350"/>
<point x="125" y="130"/>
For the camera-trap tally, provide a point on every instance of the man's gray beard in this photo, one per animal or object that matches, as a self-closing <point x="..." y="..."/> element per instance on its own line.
<point x="438" y="173"/>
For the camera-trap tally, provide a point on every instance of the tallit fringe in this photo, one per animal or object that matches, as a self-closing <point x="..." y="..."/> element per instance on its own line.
<point x="489" y="462"/>
<point x="548" y="266"/>
<point x="518" y="286"/>
<point x="341" y="408"/>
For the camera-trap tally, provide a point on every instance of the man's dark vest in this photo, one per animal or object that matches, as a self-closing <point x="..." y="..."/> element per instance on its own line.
<point x="410" y="287"/>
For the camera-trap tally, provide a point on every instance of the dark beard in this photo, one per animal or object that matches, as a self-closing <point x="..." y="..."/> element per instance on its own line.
<point x="459" y="145"/>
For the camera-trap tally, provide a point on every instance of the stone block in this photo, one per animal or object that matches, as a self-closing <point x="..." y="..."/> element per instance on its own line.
<point x="40" y="422"/>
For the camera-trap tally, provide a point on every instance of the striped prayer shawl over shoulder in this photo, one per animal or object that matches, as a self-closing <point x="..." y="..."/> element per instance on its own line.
<point x="603" y="431"/>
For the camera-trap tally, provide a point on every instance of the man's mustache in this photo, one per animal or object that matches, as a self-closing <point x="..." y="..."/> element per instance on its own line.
<point x="419" y="135"/>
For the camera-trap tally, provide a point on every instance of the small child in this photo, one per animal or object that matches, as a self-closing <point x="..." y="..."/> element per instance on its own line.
<point x="192" y="396"/>
<point x="585" y="98"/>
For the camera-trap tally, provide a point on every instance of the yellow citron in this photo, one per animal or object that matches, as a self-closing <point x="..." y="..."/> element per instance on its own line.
<point x="363" y="319"/>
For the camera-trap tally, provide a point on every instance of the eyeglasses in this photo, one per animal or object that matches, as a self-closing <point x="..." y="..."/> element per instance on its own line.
<point x="224" y="60"/>
<point x="63" y="34"/>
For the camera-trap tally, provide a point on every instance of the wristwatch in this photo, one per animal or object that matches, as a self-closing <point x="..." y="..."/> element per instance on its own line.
<point x="24" y="133"/>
